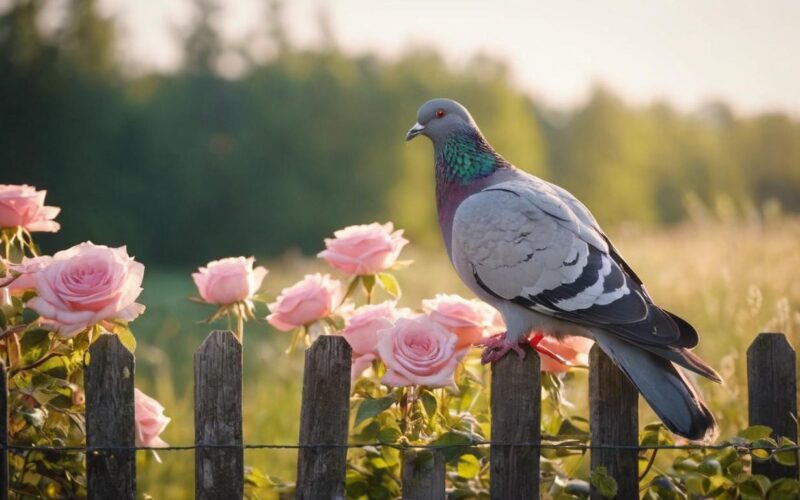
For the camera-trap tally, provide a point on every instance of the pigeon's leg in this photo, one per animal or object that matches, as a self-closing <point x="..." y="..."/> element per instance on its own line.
<point x="496" y="346"/>
<point x="544" y="350"/>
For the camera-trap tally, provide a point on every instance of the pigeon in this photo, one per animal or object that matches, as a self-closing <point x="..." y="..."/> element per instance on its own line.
<point x="535" y="253"/>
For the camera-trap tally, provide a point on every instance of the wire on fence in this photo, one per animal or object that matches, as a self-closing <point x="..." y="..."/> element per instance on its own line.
<point x="744" y="448"/>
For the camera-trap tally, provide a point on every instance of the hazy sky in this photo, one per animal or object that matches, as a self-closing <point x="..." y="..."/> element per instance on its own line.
<point x="687" y="51"/>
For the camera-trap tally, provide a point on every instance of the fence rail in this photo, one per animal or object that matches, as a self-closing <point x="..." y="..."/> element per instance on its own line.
<point x="515" y="411"/>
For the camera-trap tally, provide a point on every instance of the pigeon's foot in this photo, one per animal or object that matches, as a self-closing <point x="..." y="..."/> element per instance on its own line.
<point x="497" y="346"/>
<point x="544" y="350"/>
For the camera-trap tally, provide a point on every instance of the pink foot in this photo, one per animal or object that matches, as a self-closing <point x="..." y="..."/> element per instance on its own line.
<point x="496" y="346"/>
<point x="544" y="350"/>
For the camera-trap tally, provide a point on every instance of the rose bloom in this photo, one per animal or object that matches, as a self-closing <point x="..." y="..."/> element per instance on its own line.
<point x="365" y="249"/>
<point x="470" y="320"/>
<point x="313" y="298"/>
<point x="573" y="349"/>
<point x="229" y="280"/>
<point x="25" y="273"/>
<point x="150" y="420"/>
<point x="23" y="206"/>
<point x="418" y="351"/>
<point x="87" y="284"/>
<point x="361" y="332"/>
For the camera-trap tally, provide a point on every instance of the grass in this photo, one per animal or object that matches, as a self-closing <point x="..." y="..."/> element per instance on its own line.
<point x="730" y="278"/>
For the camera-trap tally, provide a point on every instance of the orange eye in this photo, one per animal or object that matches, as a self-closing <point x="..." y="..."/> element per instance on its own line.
<point x="439" y="113"/>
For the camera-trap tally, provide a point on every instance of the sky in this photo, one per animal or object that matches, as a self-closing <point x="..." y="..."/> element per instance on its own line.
<point x="684" y="51"/>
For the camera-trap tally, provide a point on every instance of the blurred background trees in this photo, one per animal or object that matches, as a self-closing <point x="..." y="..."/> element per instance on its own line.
<point x="194" y="164"/>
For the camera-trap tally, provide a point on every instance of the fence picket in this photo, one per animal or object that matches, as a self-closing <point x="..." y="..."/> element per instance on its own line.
<point x="423" y="475"/>
<point x="219" y="472"/>
<point x="772" y="394"/>
<point x="108" y="381"/>
<point x="516" y="410"/>
<point x="3" y="432"/>
<point x="324" y="417"/>
<point x="614" y="420"/>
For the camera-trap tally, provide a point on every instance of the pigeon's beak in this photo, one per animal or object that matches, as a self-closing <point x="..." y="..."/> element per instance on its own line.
<point x="414" y="131"/>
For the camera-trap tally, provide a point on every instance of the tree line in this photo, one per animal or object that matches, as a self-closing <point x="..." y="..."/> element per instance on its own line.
<point x="190" y="165"/>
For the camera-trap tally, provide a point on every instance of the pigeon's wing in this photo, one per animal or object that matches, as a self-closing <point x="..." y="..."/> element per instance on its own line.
<point x="524" y="242"/>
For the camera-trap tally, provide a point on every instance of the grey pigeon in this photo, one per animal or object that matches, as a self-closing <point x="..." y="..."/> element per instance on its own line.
<point x="536" y="254"/>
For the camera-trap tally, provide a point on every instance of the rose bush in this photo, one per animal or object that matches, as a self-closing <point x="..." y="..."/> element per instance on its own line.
<point x="311" y="299"/>
<point x="361" y="331"/>
<point x="87" y="284"/>
<point x="229" y="280"/>
<point x="23" y="206"/>
<point x="364" y="249"/>
<point x="573" y="349"/>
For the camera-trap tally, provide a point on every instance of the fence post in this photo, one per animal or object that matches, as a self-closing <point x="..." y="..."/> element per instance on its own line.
<point x="219" y="472"/>
<point x="3" y="432"/>
<point x="516" y="410"/>
<point x="324" y="418"/>
<point x="613" y="419"/>
<point x="772" y="394"/>
<point x="108" y="381"/>
<point x="423" y="475"/>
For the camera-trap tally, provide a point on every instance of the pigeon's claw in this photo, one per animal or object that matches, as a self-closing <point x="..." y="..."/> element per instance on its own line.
<point x="497" y="346"/>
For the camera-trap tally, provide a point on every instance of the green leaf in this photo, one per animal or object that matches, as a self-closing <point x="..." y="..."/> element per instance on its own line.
<point x="756" y="432"/>
<point x="605" y="484"/>
<point x="429" y="402"/>
<point x="762" y="448"/>
<point x="468" y="466"/>
<point x="368" y="281"/>
<point x="370" y="407"/>
<point x="752" y="489"/>
<point x="784" y="488"/>
<point x="452" y="444"/>
<point x="788" y="458"/>
<point x="389" y="435"/>
<point x="126" y="337"/>
<point x="389" y="283"/>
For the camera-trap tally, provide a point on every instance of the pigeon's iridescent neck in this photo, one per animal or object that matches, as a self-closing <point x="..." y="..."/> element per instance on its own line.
<point x="464" y="157"/>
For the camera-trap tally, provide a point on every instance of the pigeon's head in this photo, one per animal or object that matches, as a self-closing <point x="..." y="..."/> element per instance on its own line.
<point x="439" y="118"/>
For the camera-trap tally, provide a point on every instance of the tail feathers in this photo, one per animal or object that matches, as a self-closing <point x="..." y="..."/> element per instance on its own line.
<point x="687" y="359"/>
<point x="667" y="391"/>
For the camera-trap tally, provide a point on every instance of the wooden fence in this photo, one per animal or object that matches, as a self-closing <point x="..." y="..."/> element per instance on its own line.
<point x="515" y="412"/>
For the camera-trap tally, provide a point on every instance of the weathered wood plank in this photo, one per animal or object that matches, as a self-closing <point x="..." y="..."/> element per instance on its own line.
<point x="423" y="475"/>
<point x="613" y="419"/>
<point x="108" y="381"/>
<point x="772" y="394"/>
<point x="3" y="432"/>
<point x="516" y="410"/>
<point x="324" y="416"/>
<point x="219" y="472"/>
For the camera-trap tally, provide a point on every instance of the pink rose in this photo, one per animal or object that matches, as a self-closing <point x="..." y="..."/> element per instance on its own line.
<point x="361" y="330"/>
<point x="365" y="249"/>
<point x="150" y="420"/>
<point x="87" y="284"/>
<point x="313" y="298"/>
<point x="361" y="363"/>
<point x="23" y="275"/>
<point x="469" y="319"/>
<point x="418" y="351"/>
<point x="573" y="349"/>
<point x="230" y="280"/>
<point x="23" y="206"/>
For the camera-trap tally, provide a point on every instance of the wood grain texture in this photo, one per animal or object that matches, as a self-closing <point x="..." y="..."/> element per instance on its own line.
<point x="423" y="475"/>
<point x="219" y="472"/>
<point x="108" y="381"/>
<point x="324" y="417"/>
<point x="772" y="394"/>
<point x="516" y="410"/>
<point x="613" y="419"/>
<point x="3" y="431"/>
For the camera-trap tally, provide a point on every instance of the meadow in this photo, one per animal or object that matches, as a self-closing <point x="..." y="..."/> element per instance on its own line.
<point x="731" y="277"/>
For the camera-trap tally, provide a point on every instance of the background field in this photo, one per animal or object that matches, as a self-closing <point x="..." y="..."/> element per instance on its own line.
<point x="730" y="278"/>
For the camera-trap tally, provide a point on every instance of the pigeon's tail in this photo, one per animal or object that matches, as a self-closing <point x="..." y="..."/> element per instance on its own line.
<point x="665" y="388"/>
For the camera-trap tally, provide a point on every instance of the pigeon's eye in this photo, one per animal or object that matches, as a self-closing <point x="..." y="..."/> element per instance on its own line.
<point x="440" y="113"/>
